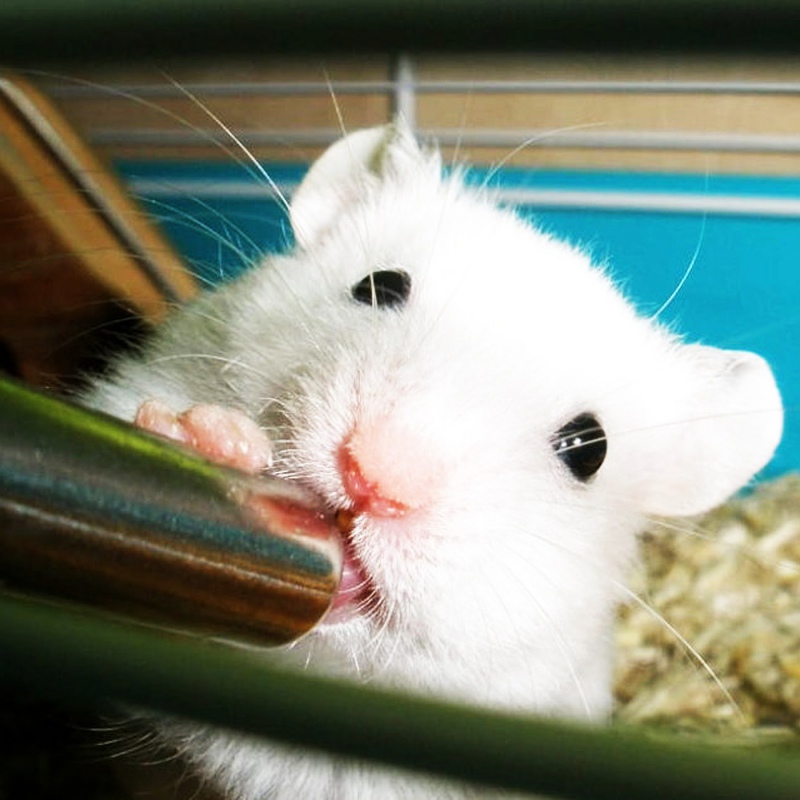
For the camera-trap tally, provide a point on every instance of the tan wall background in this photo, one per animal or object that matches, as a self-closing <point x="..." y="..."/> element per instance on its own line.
<point x="112" y="108"/>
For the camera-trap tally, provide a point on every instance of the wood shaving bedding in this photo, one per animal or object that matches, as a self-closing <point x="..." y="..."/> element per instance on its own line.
<point x="729" y="584"/>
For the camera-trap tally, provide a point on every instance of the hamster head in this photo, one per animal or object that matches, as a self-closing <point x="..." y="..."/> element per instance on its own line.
<point x="491" y="419"/>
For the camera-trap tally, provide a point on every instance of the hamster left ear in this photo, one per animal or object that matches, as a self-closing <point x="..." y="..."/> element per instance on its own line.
<point x="717" y="437"/>
<point x="342" y="173"/>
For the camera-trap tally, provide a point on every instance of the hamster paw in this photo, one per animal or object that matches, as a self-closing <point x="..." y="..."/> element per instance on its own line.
<point x="222" y="435"/>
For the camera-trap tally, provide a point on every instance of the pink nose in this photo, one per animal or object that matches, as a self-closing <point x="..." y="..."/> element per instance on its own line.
<point x="386" y="470"/>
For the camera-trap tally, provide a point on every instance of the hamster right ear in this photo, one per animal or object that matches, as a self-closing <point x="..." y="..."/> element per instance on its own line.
<point x="716" y="421"/>
<point x="342" y="172"/>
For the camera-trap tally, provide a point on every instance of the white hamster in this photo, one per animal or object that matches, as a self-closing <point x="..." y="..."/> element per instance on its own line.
<point x="491" y="412"/>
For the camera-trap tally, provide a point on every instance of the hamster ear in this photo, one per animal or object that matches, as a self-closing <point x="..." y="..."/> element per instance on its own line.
<point x="341" y="173"/>
<point x="716" y="437"/>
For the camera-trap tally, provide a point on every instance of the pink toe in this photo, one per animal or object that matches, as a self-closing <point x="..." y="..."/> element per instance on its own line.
<point x="222" y="435"/>
<point x="157" y="417"/>
<point x="227" y="436"/>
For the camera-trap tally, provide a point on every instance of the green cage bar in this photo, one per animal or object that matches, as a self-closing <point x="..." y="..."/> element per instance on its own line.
<point x="40" y="31"/>
<point x="97" y="658"/>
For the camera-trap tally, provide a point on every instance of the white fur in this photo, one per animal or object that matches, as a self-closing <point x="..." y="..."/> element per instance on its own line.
<point x="502" y="591"/>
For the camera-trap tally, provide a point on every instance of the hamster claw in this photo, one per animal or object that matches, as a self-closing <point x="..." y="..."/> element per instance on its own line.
<point x="223" y="435"/>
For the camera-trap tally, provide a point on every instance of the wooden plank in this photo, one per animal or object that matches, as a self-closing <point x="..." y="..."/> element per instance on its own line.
<point x="75" y="252"/>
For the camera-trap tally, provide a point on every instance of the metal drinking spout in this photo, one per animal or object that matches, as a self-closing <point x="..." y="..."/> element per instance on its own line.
<point x="96" y="511"/>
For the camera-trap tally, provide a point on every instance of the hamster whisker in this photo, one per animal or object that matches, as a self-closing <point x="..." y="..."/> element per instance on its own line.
<point x="687" y="272"/>
<point x="227" y="361"/>
<point x="309" y="656"/>
<point x="378" y="604"/>
<point x="337" y="108"/>
<point x="684" y="642"/>
<point x="654" y="613"/>
<point x="267" y="407"/>
<point x="535" y="139"/>
<point x="168" y="212"/>
<point x="257" y="169"/>
<point x="308" y="648"/>
<point x="131" y="317"/>
<point x="133" y="741"/>
<point x="751" y="553"/>
<point x="568" y="658"/>
<point x="150" y="754"/>
<point x="694" y="419"/>
<point x="202" y="313"/>
<point x="24" y="265"/>
<point x="560" y="642"/>
<point x="259" y="174"/>
<point x="283" y="444"/>
<point x="340" y="121"/>
<point x="117" y="735"/>
<point x="462" y="127"/>
<point x="193" y="223"/>
<point x="352" y="655"/>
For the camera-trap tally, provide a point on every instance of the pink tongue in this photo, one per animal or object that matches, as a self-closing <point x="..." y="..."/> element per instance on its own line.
<point x="352" y="585"/>
<point x="352" y="595"/>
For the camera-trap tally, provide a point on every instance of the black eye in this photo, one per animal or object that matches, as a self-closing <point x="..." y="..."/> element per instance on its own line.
<point x="386" y="288"/>
<point x="581" y="444"/>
